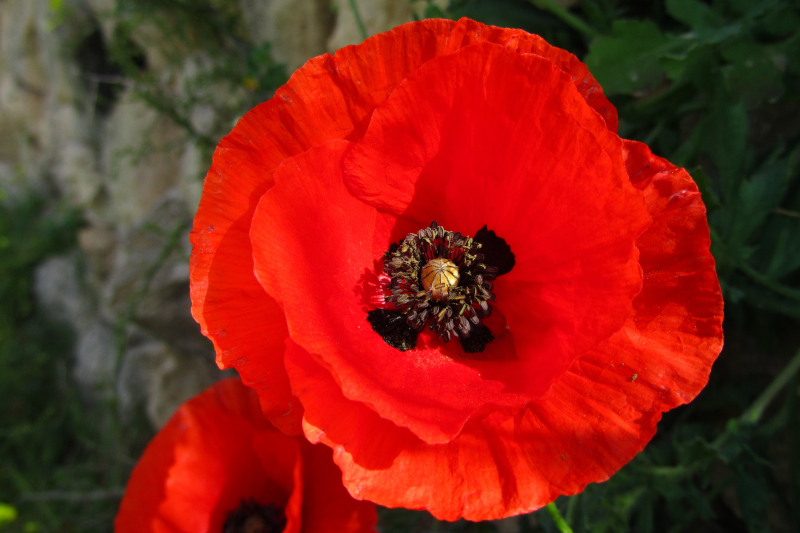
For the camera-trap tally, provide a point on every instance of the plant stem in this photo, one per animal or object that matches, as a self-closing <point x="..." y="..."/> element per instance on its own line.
<point x="555" y="514"/>
<point x="568" y="18"/>
<point x="754" y="412"/>
<point x="359" y="22"/>
<point x="769" y="282"/>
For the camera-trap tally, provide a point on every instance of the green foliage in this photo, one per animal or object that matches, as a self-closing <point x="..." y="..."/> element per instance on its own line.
<point x="52" y="451"/>
<point x="627" y="61"/>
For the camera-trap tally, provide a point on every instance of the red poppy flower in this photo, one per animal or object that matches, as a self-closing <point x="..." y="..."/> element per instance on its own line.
<point x="521" y="346"/>
<point x="219" y="467"/>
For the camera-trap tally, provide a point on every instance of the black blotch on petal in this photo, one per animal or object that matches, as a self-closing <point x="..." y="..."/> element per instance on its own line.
<point x="393" y="328"/>
<point x="495" y="251"/>
<point x="478" y="338"/>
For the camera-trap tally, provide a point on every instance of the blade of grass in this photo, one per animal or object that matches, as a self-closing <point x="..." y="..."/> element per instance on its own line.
<point x="360" y="23"/>
<point x="555" y="514"/>
<point x="753" y="413"/>
<point x="769" y="282"/>
<point x="568" y="18"/>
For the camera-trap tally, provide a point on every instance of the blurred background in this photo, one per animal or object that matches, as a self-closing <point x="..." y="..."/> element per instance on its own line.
<point x="109" y="114"/>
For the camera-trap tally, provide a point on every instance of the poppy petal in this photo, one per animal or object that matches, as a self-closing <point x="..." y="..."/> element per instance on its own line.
<point x="595" y="418"/>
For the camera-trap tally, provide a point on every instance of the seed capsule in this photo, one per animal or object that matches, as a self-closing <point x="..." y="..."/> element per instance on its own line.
<point x="438" y="276"/>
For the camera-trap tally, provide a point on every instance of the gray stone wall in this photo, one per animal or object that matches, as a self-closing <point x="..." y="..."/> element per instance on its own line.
<point x="135" y="173"/>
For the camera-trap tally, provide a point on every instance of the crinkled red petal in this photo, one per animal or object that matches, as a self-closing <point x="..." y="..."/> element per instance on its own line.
<point x="596" y="417"/>
<point x="331" y="97"/>
<point x="316" y="246"/>
<point x="522" y="42"/>
<point x="201" y="465"/>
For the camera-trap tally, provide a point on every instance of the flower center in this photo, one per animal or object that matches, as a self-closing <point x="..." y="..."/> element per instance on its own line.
<point x="252" y="517"/>
<point x="439" y="278"/>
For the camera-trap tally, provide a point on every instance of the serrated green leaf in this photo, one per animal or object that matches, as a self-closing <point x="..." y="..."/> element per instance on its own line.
<point x="627" y="61"/>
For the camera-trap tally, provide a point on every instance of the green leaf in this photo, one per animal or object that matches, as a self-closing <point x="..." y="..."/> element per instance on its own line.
<point x="792" y="49"/>
<point x="750" y="8"/>
<point x="752" y="75"/>
<point x="737" y="438"/>
<point x="758" y="196"/>
<point x="725" y="138"/>
<point x="627" y="61"/>
<point x="696" y="452"/>
<point x="693" y="13"/>
<point x="786" y="255"/>
<point x="432" y="11"/>
<point x="781" y="21"/>
<point x="695" y="66"/>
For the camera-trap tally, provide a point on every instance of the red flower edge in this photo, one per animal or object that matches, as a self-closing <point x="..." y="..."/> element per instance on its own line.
<point x="218" y="450"/>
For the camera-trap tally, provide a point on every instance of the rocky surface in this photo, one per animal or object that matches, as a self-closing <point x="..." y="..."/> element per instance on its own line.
<point x="72" y="127"/>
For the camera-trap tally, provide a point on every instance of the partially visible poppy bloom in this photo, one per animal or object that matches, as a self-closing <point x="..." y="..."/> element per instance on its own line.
<point x="219" y="467"/>
<point x="486" y="296"/>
